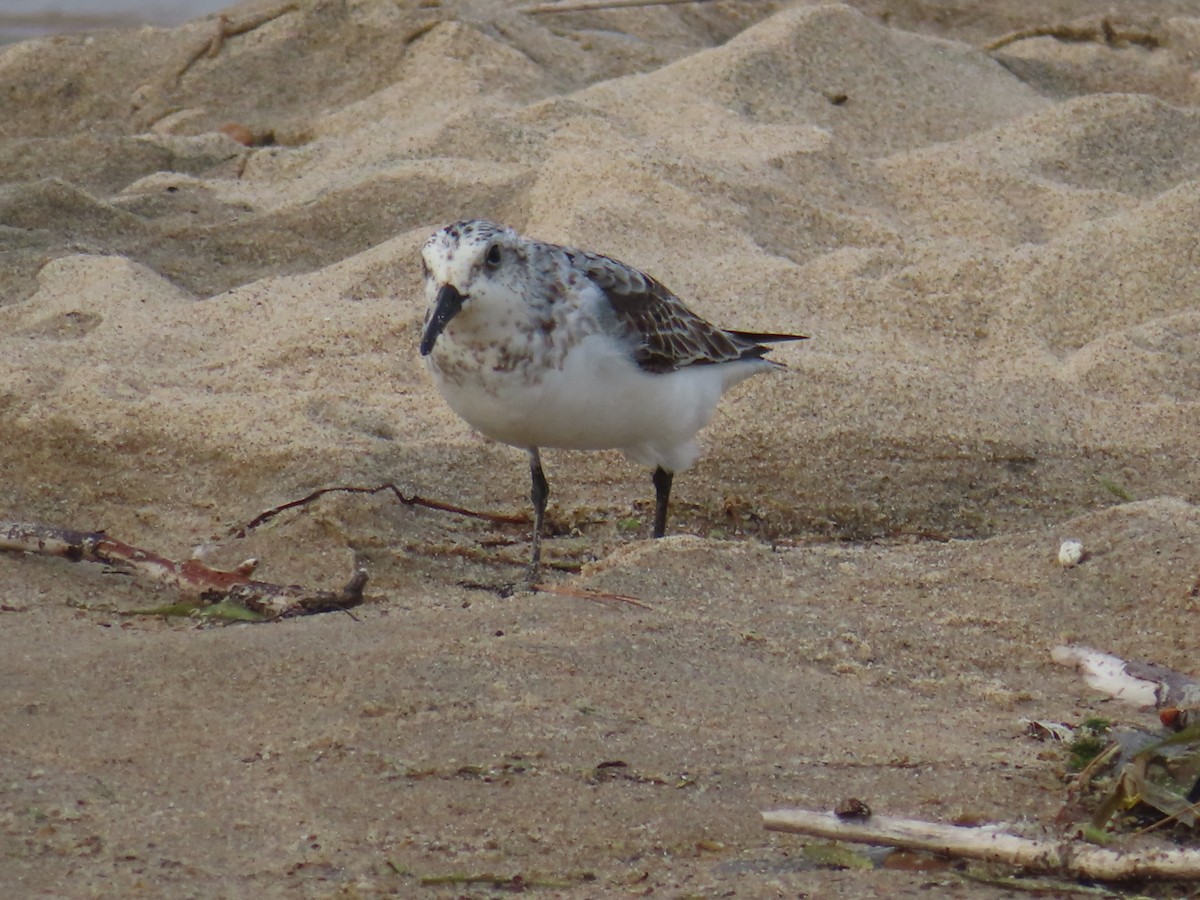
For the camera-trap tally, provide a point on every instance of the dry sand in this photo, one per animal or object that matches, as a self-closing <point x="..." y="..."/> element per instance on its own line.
<point x="995" y="255"/>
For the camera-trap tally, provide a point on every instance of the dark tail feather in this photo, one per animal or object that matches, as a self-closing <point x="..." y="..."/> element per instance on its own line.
<point x="756" y="342"/>
<point x="761" y="337"/>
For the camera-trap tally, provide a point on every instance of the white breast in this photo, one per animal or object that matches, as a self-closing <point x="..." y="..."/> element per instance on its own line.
<point x="599" y="399"/>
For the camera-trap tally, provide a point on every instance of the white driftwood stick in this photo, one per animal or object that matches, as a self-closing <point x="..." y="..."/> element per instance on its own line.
<point x="1068" y="857"/>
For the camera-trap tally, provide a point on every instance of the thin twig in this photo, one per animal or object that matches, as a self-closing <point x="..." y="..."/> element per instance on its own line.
<point x="406" y="499"/>
<point x="226" y="29"/>
<point x="538" y="9"/>
<point x="1102" y="31"/>
<point x="1166" y="820"/>
<point x="566" y="590"/>
<point x="419" y="31"/>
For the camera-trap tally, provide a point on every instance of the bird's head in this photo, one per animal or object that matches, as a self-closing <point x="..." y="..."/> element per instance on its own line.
<point x="464" y="264"/>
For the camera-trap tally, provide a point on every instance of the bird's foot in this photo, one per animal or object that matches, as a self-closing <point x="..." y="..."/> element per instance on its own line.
<point x="533" y="577"/>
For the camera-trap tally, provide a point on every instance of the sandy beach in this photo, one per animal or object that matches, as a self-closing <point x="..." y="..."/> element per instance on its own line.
<point x="210" y="303"/>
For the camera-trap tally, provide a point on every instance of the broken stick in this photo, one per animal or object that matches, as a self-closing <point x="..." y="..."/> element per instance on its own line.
<point x="192" y="578"/>
<point x="1063" y="857"/>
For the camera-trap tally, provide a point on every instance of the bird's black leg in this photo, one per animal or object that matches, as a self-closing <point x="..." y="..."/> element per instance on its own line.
<point x="662" y="493"/>
<point x="539" y="494"/>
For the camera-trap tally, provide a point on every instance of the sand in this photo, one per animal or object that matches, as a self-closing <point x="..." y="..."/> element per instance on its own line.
<point x="995" y="256"/>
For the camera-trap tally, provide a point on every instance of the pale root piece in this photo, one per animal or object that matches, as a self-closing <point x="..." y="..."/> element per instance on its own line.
<point x="1108" y="674"/>
<point x="1144" y="684"/>
<point x="192" y="578"/>
<point x="1066" y="857"/>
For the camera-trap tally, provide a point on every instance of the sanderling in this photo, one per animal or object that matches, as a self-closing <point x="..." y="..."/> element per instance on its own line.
<point x="538" y="345"/>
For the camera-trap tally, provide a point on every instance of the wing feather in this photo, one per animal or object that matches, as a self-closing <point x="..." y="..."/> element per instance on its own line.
<point x="666" y="334"/>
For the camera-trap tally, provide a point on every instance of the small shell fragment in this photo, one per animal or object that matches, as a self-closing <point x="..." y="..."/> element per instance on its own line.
<point x="1070" y="553"/>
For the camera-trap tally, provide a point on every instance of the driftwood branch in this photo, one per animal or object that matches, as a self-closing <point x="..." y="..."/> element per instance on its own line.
<point x="1066" y="857"/>
<point x="192" y="578"/>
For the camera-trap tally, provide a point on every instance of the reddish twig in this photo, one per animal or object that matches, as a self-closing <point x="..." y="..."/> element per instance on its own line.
<point x="578" y="593"/>
<point x="192" y="578"/>
<point x="407" y="500"/>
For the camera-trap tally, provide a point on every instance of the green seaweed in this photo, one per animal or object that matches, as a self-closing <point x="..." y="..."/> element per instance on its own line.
<point x="225" y="611"/>
<point x="229" y="611"/>
<point x="1090" y="741"/>
<point x="182" y="608"/>
<point x="1115" y="489"/>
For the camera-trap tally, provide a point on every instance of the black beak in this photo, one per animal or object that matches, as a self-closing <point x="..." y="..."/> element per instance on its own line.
<point x="449" y="302"/>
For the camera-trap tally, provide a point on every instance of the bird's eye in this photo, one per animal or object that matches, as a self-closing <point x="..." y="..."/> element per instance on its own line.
<point x="492" y="257"/>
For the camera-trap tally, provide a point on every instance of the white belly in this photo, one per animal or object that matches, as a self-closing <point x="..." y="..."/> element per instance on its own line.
<point x="598" y="400"/>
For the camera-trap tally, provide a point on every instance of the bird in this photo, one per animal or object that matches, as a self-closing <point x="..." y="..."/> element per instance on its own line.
<point x="538" y="345"/>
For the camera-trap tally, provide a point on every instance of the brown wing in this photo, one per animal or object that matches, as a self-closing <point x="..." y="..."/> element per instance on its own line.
<point x="666" y="334"/>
